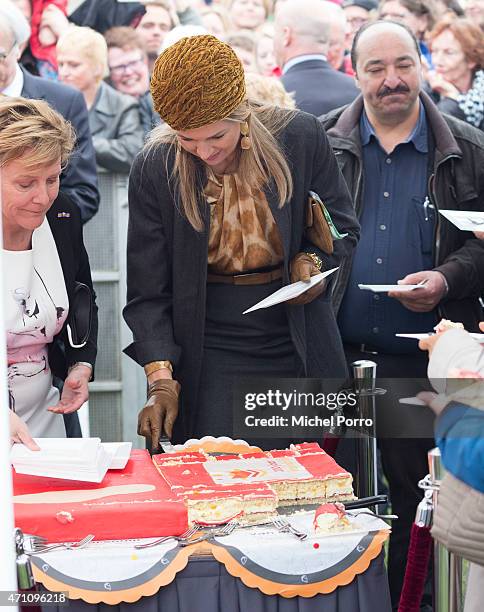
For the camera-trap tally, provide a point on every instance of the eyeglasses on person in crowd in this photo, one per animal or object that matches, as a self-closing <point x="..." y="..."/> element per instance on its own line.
<point x="121" y="68"/>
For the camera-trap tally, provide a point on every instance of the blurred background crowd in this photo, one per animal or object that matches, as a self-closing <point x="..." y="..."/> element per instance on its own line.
<point x="106" y="50"/>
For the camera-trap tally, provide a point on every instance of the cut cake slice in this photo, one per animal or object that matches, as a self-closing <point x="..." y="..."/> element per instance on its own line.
<point x="331" y="518"/>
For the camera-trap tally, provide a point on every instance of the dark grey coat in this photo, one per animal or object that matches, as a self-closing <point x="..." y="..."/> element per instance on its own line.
<point x="115" y="123"/>
<point x="167" y="259"/>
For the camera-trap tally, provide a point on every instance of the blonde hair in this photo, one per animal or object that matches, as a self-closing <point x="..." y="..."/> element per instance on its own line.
<point x="268" y="90"/>
<point x="89" y="44"/>
<point x="257" y="166"/>
<point x="34" y="129"/>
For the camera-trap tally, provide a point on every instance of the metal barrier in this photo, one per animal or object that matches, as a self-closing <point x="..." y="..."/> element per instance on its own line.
<point x="448" y="569"/>
<point x="119" y="389"/>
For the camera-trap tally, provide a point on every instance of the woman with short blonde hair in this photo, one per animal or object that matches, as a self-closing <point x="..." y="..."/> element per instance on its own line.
<point x="90" y="45"/>
<point x="114" y="118"/>
<point x="34" y="131"/>
<point x="44" y="262"/>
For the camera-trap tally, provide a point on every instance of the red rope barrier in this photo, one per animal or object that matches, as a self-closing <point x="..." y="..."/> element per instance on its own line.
<point x="330" y="444"/>
<point x="418" y="557"/>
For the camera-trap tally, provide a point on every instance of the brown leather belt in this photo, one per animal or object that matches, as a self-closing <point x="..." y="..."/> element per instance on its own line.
<point x="250" y="278"/>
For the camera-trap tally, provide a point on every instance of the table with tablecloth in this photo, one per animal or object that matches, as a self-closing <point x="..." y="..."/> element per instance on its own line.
<point x="256" y="569"/>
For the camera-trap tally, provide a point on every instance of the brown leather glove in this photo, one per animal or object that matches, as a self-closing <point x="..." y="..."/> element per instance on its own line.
<point x="160" y="411"/>
<point x="303" y="267"/>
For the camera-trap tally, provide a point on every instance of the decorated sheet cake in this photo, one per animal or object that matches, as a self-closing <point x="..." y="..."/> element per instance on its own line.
<point x="252" y="485"/>
<point x="130" y="503"/>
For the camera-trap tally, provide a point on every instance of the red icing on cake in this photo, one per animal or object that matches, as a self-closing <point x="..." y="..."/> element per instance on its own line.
<point x="281" y="453"/>
<point x="322" y="466"/>
<point x="224" y="457"/>
<point x="185" y="457"/>
<point x="337" y="510"/>
<point x="315" y="464"/>
<point x="153" y="511"/>
<point x="306" y="446"/>
<point x="187" y="475"/>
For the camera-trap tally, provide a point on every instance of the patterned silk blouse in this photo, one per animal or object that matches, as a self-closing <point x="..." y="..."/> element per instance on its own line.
<point x="243" y="234"/>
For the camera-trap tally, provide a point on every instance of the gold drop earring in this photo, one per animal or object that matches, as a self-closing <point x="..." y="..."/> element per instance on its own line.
<point x="245" y="140"/>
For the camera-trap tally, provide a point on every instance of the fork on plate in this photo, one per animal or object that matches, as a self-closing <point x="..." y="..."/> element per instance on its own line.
<point x="385" y="517"/>
<point x="40" y="545"/>
<point x="219" y="532"/>
<point x="184" y="536"/>
<point x="285" y="527"/>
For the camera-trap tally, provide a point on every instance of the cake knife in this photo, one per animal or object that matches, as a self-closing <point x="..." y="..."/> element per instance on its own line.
<point x="166" y="444"/>
<point x="364" y="502"/>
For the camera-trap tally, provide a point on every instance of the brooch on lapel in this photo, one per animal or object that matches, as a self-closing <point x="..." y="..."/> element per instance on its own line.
<point x="64" y="215"/>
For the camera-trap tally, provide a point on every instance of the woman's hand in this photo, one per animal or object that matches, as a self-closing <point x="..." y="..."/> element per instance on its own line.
<point x="428" y="344"/>
<point x="19" y="432"/>
<point x="75" y="391"/>
<point x="442" y="86"/>
<point x="160" y="411"/>
<point x="47" y="36"/>
<point x="434" y="401"/>
<point x="55" y="20"/>
<point x="303" y="267"/>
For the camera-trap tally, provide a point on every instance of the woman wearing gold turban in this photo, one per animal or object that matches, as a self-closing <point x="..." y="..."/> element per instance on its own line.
<point x="217" y="216"/>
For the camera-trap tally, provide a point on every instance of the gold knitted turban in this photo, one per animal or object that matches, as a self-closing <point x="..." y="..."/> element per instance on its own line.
<point x="197" y="81"/>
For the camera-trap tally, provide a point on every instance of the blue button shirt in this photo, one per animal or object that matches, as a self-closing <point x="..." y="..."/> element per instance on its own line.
<point x="397" y="238"/>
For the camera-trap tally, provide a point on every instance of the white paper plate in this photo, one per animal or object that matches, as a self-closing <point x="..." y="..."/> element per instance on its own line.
<point x="387" y="288"/>
<point x="476" y="336"/>
<point x="119" y="453"/>
<point x="465" y="220"/>
<point x="411" y="401"/>
<point x="289" y="292"/>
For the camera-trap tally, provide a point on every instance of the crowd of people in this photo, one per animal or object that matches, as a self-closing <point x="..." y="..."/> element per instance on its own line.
<point x="201" y="104"/>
